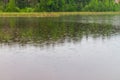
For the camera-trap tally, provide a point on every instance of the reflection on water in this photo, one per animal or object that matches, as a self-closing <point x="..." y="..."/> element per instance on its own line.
<point x="64" y="48"/>
<point x="113" y="20"/>
<point x="52" y="30"/>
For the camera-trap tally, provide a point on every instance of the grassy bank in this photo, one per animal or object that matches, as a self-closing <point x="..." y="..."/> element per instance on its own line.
<point x="55" y="14"/>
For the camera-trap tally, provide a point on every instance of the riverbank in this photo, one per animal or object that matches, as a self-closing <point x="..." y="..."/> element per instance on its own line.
<point x="55" y="14"/>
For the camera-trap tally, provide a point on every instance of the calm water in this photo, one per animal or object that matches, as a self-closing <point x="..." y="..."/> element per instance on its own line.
<point x="64" y="48"/>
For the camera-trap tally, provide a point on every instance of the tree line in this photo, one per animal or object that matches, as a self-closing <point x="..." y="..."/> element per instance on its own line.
<point x="57" y="5"/>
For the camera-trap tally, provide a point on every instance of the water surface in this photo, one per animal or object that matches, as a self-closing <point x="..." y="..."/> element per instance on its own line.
<point x="63" y="48"/>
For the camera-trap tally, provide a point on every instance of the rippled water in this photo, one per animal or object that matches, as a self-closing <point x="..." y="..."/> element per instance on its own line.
<point x="64" y="48"/>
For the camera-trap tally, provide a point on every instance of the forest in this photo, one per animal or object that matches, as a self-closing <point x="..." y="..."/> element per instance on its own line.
<point x="58" y="5"/>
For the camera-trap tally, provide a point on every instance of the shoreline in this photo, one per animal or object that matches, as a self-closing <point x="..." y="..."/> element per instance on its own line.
<point x="52" y="14"/>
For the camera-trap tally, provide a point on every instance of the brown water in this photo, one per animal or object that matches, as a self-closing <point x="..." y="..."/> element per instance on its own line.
<point x="64" y="48"/>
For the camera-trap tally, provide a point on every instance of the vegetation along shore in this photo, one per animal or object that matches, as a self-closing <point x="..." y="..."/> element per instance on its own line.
<point x="54" y="14"/>
<point x="59" y="5"/>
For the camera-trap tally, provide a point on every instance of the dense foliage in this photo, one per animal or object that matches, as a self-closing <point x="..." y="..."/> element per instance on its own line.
<point x="57" y="5"/>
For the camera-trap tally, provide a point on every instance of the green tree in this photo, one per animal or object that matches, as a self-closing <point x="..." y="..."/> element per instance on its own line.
<point x="11" y="7"/>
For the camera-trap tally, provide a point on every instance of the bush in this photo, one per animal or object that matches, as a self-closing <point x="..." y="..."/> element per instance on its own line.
<point x="27" y="10"/>
<point x="97" y="5"/>
<point x="15" y="9"/>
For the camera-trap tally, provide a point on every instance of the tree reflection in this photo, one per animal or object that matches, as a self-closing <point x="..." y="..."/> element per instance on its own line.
<point x="50" y="31"/>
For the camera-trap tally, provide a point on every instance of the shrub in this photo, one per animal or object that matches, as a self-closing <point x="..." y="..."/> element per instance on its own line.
<point x="97" y="5"/>
<point x="27" y="9"/>
<point x="9" y="9"/>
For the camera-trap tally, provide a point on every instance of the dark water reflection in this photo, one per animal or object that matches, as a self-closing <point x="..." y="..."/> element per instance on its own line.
<point x="52" y="30"/>
<point x="64" y="48"/>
